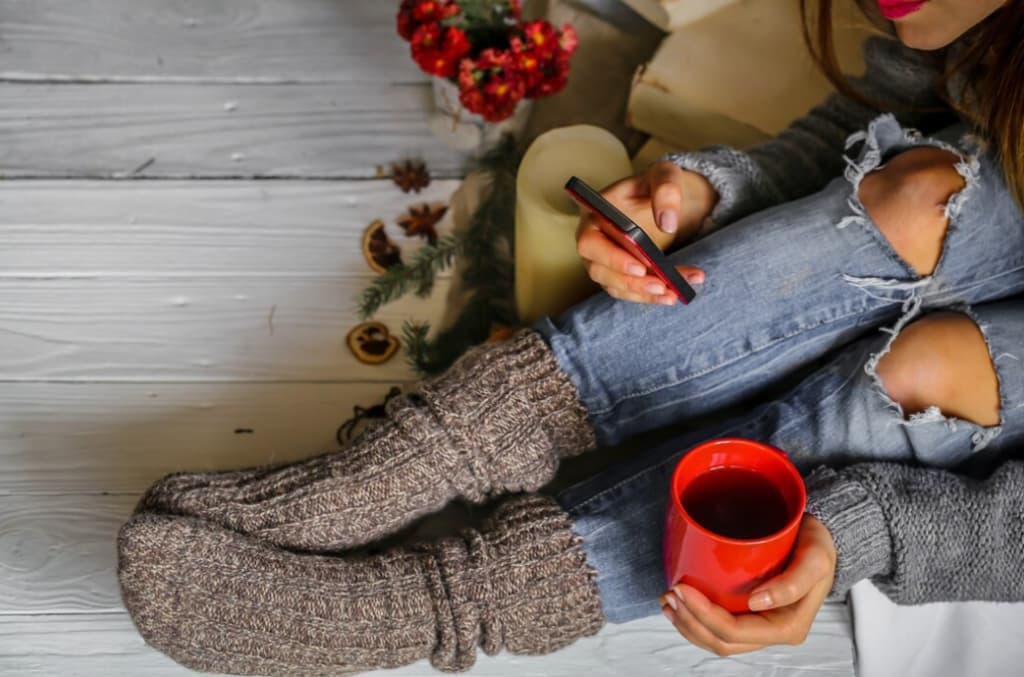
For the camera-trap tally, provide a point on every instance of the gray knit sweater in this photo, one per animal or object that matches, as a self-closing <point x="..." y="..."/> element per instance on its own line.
<point x="922" y="535"/>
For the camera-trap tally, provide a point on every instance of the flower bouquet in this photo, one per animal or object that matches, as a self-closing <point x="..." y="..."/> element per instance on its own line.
<point x="486" y="62"/>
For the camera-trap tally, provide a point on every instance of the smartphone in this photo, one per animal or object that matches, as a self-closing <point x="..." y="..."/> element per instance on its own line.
<point x="624" y="231"/>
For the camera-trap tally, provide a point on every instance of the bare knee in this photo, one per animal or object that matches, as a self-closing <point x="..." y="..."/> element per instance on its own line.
<point x="942" y="360"/>
<point x="906" y="199"/>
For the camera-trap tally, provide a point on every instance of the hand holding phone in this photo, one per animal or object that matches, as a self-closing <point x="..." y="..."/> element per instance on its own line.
<point x="626" y="233"/>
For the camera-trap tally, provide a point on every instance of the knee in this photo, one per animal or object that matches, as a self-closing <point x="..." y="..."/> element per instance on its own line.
<point x="906" y="199"/>
<point x="942" y="361"/>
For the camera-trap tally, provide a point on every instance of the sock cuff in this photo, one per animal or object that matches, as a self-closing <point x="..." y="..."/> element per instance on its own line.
<point x="511" y="414"/>
<point x="521" y="583"/>
<point x="523" y="361"/>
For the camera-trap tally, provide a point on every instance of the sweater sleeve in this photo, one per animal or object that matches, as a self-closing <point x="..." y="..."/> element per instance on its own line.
<point x="922" y="534"/>
<point x="809" y="153"/>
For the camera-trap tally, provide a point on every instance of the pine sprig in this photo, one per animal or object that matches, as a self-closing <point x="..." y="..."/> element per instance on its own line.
<point x="487" y="250"/>
<point x="417" y="347"/>
<point x="418" y="275"/>
<point x="486" y="247"/>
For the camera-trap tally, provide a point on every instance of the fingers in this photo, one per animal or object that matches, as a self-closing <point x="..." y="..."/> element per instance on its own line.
<point x="813" y="561"/>
<point x="725" y="634"/>
<point x="689" y="627"/>
<point x="629" y="188"/>
<point x="593" y="245"/>
<point x="622" y="275"/>
<point x="808" y="568"/>
<point x="665" y="179"/>
<point x="792" y="600"/>
<point x="649" y="284"/>
<point x="639" y="298"/>
<point x="724" y="626"/>
<point x="647" y="289"/>
<point x="691" y="274"/>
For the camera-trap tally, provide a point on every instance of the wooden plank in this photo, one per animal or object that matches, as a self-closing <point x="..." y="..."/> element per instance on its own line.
<point x="215" y="328"/>
<point x="217" y="130"/>
<point x="97" y="228"/>
<point x="83" y="645"/>
<point x="102" y="645"/>
<point x="57" y="552"/>
<point x="120" y="437"/>
<point x="266" y="40"/>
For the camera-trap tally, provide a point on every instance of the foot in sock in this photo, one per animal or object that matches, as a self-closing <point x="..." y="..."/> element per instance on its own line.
<point x="215" y="600"/>
<point x="500" y="420"/>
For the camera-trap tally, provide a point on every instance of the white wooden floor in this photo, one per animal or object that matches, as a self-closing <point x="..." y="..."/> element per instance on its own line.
<point x="184" y="184"/>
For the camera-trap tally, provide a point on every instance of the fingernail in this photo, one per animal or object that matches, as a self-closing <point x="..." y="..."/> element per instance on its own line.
<point x="679" y="594"/>
<point x="695" y="277"/>
<point x="655" y="288"/>
<point x="668" y="220"/>
<point x="760" y="601"/>
<point x="671" y="600"/>
<point x="636" y="270"/>
<point x="667" y="300"/>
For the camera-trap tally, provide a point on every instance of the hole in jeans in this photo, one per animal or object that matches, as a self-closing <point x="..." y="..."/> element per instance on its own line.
<point x="906" y="199"/>
<point x="940" y="365"/>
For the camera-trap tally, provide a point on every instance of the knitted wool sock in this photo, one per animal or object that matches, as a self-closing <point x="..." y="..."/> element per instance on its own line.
<point x="500" y="420"/>
<point x="218" y="601"/>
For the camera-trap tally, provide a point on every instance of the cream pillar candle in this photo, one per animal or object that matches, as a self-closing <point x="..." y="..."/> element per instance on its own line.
<point x="549" y="274"/>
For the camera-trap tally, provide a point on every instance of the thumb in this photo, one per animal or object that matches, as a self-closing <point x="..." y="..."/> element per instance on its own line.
<point x="665" y="180"/>
<point x="810" y="565"/>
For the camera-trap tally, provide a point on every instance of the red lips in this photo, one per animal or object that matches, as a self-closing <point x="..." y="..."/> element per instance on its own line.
<point x="897" y="9"/>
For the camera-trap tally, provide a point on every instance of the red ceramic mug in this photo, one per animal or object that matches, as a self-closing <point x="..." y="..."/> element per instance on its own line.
<point x="733" y="515"/>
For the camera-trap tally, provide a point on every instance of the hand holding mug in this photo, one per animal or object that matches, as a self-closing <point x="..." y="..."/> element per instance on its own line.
<point x="786" y="605"/>
<point x="734" y="510"/>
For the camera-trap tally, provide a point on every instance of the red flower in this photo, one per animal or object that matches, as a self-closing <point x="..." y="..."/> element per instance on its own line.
<point x="527" y="62"/>
<point x="432" y="10"/>
<point x="492" y="81"/>
<point x="406" y="25"/>
<point x="543" y="60"/>
<point x="491" y="85"/>
<point x="456" y="45"/>
<point x="541" y="38"/>
<point x="414" y="13"/>
<point x="554" y="76"/>
<point x="567" y="39"/>
<point x="438" y="52"/>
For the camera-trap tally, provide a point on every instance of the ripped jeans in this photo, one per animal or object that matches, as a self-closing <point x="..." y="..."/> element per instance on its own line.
<point x="786" y="287"/>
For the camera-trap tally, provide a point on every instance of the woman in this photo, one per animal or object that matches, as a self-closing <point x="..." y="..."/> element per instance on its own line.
<point x="240" y="571"/>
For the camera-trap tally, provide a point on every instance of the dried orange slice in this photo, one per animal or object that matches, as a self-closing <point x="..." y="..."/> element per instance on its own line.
<point x="380" y="252"/>
<point x="372" y="343"/>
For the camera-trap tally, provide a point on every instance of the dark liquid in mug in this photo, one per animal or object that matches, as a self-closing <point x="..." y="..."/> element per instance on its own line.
<point x="736" y="502"/>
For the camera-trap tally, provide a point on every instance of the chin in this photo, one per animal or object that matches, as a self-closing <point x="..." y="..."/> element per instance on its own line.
<point x="924" y="38"/>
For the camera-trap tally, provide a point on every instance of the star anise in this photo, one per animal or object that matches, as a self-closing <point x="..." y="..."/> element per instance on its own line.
<point x="410" y="175"/>
<point x="421" y="221"/>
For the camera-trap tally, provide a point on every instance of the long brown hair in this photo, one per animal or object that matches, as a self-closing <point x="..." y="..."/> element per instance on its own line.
<point x="998" y="92"/>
